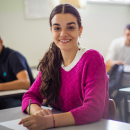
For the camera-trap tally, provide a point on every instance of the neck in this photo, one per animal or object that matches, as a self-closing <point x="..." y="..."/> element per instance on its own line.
<point x="127" y="43"/>
<point x="69" y="55"/>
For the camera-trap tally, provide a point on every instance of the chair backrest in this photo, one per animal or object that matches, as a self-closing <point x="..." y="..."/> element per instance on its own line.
<point x="112" y="109"/>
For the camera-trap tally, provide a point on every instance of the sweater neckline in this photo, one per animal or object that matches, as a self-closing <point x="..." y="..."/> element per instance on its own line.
<point x="78" y="56"/>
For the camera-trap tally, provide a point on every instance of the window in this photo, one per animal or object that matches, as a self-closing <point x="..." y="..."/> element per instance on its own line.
<point x="127" y="2"/>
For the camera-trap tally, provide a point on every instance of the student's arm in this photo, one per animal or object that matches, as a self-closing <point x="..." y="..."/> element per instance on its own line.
<point x="63" y="119"/>
<point x="22" y="82"/>
<point x="34" y="109"/>
<point x="44" y="122"/>
<point x="90" y="111"/>
<point x="110" y="63"/>
<point x="96" y="96"/>
<point x="35" y="95"/>
<point x="111" y="54"/>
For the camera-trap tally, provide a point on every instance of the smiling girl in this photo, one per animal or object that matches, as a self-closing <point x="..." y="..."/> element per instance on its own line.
<point x="71" y="78"/>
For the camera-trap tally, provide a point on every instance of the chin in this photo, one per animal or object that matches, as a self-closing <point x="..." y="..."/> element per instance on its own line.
<point x="65" y="48"/>
<point x="128" y="43"/>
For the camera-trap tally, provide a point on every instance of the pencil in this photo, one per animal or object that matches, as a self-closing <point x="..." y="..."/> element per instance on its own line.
<point x="29" y="106"/>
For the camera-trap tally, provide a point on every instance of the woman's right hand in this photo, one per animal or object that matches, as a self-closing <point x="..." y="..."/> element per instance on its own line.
<point x="43" y="112"/>
<point x="34" y="122"/>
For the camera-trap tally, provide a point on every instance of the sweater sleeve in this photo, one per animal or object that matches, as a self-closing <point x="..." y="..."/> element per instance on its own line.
<point x="95" y="91"/>
<point x="33" y="93"/>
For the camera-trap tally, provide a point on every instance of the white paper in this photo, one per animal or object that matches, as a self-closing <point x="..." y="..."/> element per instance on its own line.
<point x="126" y="68"/>
<point x="13" y="124"/>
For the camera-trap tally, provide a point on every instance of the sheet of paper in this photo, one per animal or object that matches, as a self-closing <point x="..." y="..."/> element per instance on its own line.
<point x="13" y="124"/>
<point x="126" y="68"/>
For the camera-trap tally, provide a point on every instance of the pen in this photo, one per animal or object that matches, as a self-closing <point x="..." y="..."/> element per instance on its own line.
<point x="29" y="106"/>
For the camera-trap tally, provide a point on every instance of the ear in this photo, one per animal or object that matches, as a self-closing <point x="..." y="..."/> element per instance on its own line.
<point x="51" y="29"/>
<point x="125" y="32"/>
<point x="1" y="41"/>
<point x="80" y="30"/>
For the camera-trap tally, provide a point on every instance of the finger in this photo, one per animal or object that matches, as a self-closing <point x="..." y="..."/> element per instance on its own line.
<point x="27" y="124"/>
<point x="35" y="128"/>
<point x="20" y="123"/>
<point x="39" y="113"/>
<point x="27" y="118"/>
<point x="44" y="112"/>
<point x="31" y="127"/>
<point x="48" y="111"/>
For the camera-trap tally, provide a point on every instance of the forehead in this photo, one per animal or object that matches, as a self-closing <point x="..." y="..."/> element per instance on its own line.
<point x="63" y="19"/>
<point x="127" y="31"/>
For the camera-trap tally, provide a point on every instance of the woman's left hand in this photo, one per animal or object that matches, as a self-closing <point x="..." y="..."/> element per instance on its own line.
<point x="43" y="112"/>
<point x="35" y="122"/>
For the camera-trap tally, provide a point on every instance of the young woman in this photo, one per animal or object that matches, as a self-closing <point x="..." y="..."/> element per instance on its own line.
<point x="71" y="78"/>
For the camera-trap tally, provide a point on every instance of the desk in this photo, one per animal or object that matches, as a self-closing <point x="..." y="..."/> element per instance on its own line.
<point x="12" y="93"/>
<point x="126" y="92"/>
<point x="16" y="113"/>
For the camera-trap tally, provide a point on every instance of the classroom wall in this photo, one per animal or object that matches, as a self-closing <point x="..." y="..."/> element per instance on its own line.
<point x="102" y="23"/>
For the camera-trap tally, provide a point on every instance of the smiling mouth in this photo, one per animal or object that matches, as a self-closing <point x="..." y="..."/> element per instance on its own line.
<point x="65" y="41"/>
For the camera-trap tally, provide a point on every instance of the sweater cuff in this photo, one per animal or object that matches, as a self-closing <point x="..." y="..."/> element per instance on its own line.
<point x="26" y="104"/>
<point x="76" y="117"/>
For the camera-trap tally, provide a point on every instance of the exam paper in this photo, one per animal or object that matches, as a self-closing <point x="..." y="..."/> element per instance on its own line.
<point x="13" y="124"/>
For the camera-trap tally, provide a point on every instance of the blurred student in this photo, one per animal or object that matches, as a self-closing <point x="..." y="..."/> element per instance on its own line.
<point x="119" y="50"/>
<point x="71" y="78"/>
<point x="15" y="73"/>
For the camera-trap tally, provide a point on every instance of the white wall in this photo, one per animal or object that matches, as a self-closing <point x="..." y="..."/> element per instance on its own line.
<point x="101" y="23"/>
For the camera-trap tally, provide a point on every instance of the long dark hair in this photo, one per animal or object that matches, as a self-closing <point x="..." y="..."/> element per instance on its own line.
<point x="50" y="65"/>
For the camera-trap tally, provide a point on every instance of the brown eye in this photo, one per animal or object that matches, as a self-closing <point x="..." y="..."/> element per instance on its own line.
<point x="57" y="28"/>
<point x="70" y="28"/>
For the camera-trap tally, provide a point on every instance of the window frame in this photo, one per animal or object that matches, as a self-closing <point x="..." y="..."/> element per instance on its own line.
<point x="108" y="2"/>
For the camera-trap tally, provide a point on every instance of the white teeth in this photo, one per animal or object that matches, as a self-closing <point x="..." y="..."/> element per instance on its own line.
<point x="64" y="40"/>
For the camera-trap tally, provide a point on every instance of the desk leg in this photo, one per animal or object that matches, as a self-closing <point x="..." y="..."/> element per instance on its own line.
<point x="126" y="109"/>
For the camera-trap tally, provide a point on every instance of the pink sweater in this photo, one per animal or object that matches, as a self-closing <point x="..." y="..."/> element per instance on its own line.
<point x="84" y="90"/>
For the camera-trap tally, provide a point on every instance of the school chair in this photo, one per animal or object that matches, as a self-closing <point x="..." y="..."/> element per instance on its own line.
<point x="112" y="109"/>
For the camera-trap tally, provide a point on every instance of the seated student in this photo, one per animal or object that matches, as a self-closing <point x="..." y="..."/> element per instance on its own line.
<point x="119" y="50"/>
<point x="14" y="74"/>
<point x="71" y="78"/>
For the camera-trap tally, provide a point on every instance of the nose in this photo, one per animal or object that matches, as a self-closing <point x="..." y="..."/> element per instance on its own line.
<point x="63" y="33"/>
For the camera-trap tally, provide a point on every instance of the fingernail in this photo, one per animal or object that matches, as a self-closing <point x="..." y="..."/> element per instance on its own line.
<point x="20" y="123"/>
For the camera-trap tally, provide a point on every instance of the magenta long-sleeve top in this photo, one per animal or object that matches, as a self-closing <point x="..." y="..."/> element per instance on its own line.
<point x="83" y="92"/>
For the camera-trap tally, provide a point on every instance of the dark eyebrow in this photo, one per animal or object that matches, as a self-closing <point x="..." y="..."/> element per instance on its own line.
<point x="67" y="24"/>
<point x="71" y="23"/>
<point x="56" y="24"/>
